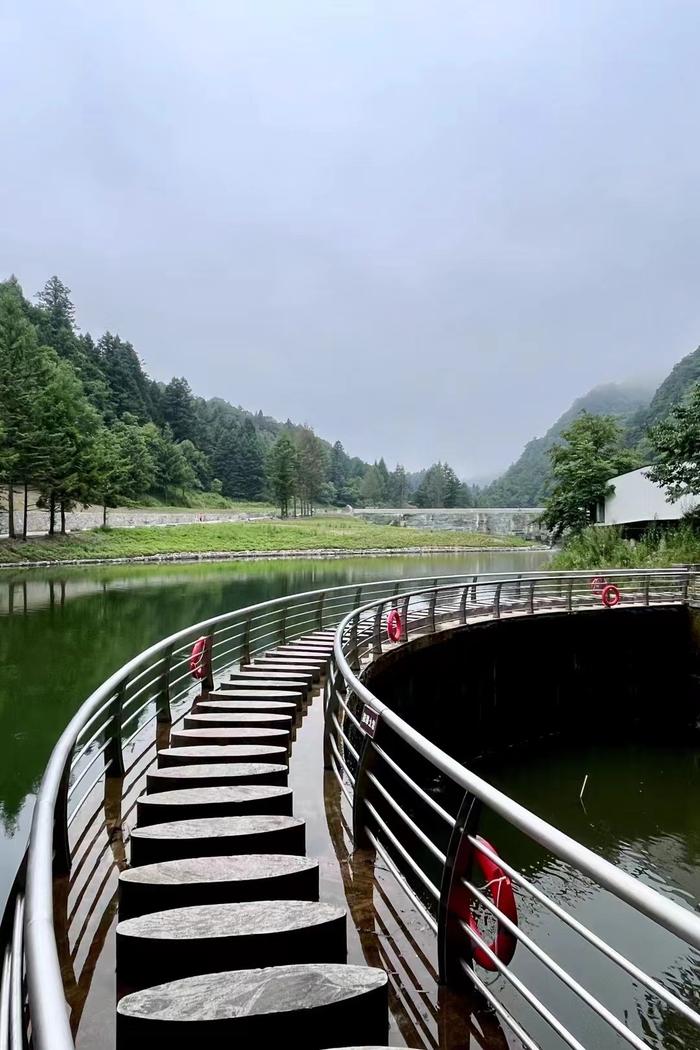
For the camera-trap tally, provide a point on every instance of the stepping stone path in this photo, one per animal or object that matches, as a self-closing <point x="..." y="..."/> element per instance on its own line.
<point x="222" y="939"/>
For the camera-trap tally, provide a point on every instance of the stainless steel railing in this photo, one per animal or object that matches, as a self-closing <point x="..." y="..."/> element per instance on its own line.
<point x="386" y="772"/>
<point x="57" y="915"/>
<point x="90" y="787"/>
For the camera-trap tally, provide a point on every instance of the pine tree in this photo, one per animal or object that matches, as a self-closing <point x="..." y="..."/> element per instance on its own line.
<point x="178" y="410"/>
<point x="282" y="468"/>
<point x="311" y="468"/>
<point x="23" y="365"/>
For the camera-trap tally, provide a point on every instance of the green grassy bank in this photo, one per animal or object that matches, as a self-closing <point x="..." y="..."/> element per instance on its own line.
<point x="341" y="534"/>
<point x="604" y="548"/>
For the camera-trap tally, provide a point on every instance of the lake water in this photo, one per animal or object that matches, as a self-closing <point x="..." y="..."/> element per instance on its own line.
<point x="63" y="631"/>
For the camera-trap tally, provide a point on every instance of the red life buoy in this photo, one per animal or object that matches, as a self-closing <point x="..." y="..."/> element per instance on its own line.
<point x="394" y="626"/>
<point x="598" y="584"/>
<point x="197" y="668"/>
<point x="501" y="890"/>
<point x="610" y="596"/>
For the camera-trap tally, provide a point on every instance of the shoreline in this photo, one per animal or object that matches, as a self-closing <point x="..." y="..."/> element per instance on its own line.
<point x="275" y="555"/>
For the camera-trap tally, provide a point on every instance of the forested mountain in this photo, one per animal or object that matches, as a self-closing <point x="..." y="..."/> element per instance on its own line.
<point x="674" y="389"/>
<point x="82" y="422"/>
<point x="524" y="483"/>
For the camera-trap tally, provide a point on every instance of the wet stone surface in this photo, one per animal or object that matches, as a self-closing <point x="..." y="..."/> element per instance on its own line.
<point x="164" y="806"/>
<point x="182" y="942"/>
<point x="216" y="775"/>
<point x="295" y="1006"/>
<point x="215" y="836"/>
<point x="217" y="753"/>
<point x="228" y="735"/>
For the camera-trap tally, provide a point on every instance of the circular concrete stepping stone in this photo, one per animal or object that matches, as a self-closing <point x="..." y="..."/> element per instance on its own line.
<point x="217" y="880"/>
<point x="217" y="753"/>
<point x="173" y="778"/>
<point x="232" y="692"/>
<point x="306" y="1005"/>
<point x="205" y="938"/>
<point x="217" y="837"/>
<point x="273" y="707"/>
<point x="269" y="680"/>
<point x="288" y="663"/>
<point x="228" y="736"/>
<point x="276" y="675"/>
<point x="191" y="803"/>
<point x="238" y="720"/>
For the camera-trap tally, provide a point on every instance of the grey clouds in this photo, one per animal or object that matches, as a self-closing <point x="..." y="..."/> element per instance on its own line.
<point x="424" y="228"/>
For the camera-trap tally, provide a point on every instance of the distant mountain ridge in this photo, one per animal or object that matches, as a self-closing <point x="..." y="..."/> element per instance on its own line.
<point x="525" y="482"/>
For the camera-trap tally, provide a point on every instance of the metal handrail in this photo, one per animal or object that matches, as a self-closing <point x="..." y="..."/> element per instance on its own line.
<point x="49" y="831"/>
<point x="254" y="629"/>
<point x="437" y="608"/>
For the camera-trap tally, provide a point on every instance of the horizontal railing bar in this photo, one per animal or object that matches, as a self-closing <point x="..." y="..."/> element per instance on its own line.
<point x="348" y="745"/>
<point x="341" y="761"/>
<point x="427" y="882"/>
<point x="74" y="813"/>
<point x="97" y="714"/>
<point x="401" y="879"/>
<point x="139" y="710"/>
<point x="502" y="1012"/>
<point x="407" y="820"/>
<point x="140" y="729"/>
<point x="97" y="754"/>
<point x="75" y="761"/>
<point x="527" y="995"/>
<point x="340" y="780"/>
<point x="590" y="1000"/>
<point x="5" y="999"/>
<point x="435" y="806"/>
<point x="634" y="971"/>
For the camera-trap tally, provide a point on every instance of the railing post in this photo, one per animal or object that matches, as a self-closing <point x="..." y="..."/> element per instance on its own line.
<point x="319" y="614"/>
<point x="519" y="585"/>
<point x="331" y="706"/>
<point x="684" y="589"/>
<point x="114" y="756"/>
<point x="569" y="595"/>
<point x="404" y="617"/>
<point x="474" y="579"/>
<point x="283" y="625"/>
<point x="463" y="605"/>
<point x="531" y="598"/>
<point x="497" y="602"/>
<point x="354" y="655"/>
<point x="452" y="942"/>
<point x="164" y="713"/>
<point x="208" y="679"/>
<point x="367" y="761"/>
<point x="431" y="611"/>
<point x="646" y="590"/>
<point x="377" y="631"/>
<point x="245" y="644"/>
<point x="61" y="843"/>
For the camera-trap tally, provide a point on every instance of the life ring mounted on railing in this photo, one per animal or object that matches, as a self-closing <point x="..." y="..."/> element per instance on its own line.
<point x="394" y="626"/>
<point x="198" y="668"/>
<point x="500" y="889"/>
<point x="610" y="596"/>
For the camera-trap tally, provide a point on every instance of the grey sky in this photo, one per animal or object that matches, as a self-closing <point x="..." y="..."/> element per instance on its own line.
<point x="423" y="228"/>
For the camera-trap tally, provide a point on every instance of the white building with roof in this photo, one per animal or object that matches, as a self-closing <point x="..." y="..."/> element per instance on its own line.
<point x="637" y="501"/>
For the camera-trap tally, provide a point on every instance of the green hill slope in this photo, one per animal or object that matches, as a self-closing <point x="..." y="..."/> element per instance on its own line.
<point x="524" y="483"/>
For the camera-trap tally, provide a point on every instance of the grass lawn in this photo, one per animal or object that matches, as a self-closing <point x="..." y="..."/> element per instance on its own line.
<point x="334" y="533"/>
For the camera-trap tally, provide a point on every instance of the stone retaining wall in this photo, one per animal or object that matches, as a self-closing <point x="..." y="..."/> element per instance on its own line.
<point x="495" y="521"/>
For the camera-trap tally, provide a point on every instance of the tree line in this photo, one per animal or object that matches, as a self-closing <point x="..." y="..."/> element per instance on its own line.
<point x="81" y="422"/>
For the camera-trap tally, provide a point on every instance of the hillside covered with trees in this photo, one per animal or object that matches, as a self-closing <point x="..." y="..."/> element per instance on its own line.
<point x="82" y="422"/>
<point x="527" y="482"/>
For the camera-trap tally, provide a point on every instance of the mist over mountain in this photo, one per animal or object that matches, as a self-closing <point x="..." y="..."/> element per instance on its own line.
<point x="524" y="483"/>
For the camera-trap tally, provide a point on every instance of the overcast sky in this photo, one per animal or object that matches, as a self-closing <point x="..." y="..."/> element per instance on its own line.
<point x="423" y="228"/>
